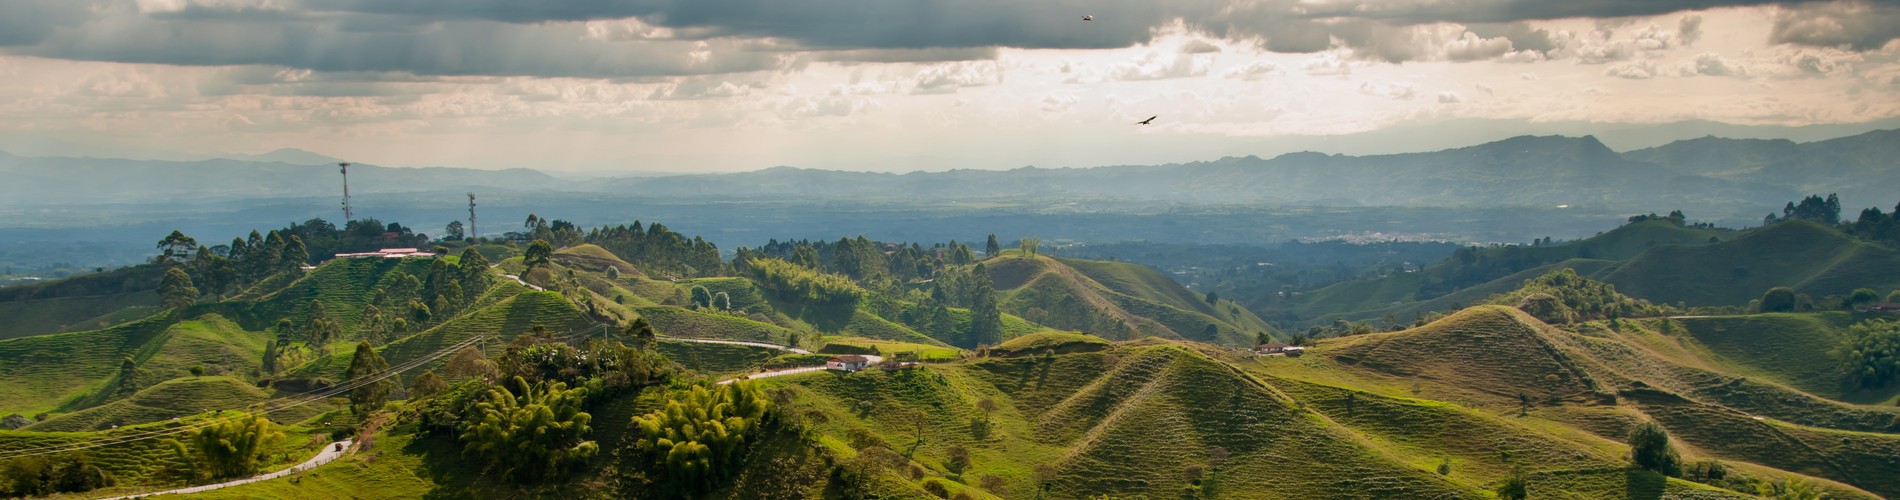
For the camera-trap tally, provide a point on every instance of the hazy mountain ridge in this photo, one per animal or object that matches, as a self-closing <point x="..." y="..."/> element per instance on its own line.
<point x="1700" y="174"/>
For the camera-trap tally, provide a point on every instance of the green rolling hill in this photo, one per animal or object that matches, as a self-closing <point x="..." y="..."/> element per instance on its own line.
<point x="1116" y="301"/>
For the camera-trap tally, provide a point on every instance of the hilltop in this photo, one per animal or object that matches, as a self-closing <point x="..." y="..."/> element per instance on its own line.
<point x="1116" y="300"/>
<point x="1653" y="260"/>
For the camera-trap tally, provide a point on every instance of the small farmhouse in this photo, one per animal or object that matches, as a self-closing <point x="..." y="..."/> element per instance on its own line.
<point x="1278" y="349"/>
<point x="847" y="363"/>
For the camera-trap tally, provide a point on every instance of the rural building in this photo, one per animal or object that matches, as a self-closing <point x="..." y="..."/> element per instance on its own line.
<point x="847" y="363"/>
<point x="387" y="253"/>
<point x="1278" y="349"/>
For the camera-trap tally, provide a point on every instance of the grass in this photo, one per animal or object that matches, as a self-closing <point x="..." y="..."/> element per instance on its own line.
<point x="1811" y="258"/>
<point x="516" y="315"/>
<point x="1792" y="349"/>
<point x="926" y="352"/>
<point x="138" y="465"/>
<point x="1490" y="352"/>
<point x="716" y="359"/>
<point x="1050" y="342"/>
<point x="172" y="398"/>
<point x="66" y="314"/>
<point x="44" y="372"/>
<point x="1115" y="301"/>
<point x="684" y="323"/>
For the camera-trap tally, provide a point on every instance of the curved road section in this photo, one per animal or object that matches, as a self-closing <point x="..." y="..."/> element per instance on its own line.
<point x="330" y="453"/>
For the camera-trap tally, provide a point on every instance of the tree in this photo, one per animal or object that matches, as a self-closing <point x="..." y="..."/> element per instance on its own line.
<point x="1516" y="487"/>
<point x="1862" y="296"/>
<point x="1029" y="245"/>
<point x="701" y="297"/>
<point x="532" y="431"/>
<point x="128" y="373"/>
<point x="537" y="254"/>
<point x="453" y="232"/>
<point x="701" y="434"/>
<point x="1261" y="338"/>
<point x="176" y="248"/>
<point x="642" y="333"/>
<point x="235" y="448"/>
<point x="722" y="301"/>
<point x="469" y="363"/>
<point x="1778" y="299"/>
<point x="270" y="357"/>
<point x="474" y="268"/>
<point x="991" y="248"/>
<point x="295" y="254"/>
<point x="1650" y="450"/>
<point x="427" y="384"/>
<point x="1212" y="297"/>
<point x="365" y="365"/>
<point x="987" y="405"/>
<point x="1870" y="356"/>
<point x="986" y="320"/>
<point x="1893" y="297"/>
<point x="175" y="290"/>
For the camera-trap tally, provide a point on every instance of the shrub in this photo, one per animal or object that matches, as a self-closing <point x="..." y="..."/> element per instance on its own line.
<point x="700" y="436"/>
<point x="937" y="488"/>
<point x="535" y="434"/>
<point x="1778" y="299"/>
<point x="1650" y="450"/>
<point x="1870" y="357"/>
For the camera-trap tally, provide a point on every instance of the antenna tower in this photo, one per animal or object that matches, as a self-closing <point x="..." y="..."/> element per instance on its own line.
<point x="471" y="217"/>
<point x="347" y="214"/>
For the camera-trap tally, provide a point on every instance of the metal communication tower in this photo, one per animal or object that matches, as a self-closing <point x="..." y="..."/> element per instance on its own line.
<point x="347" y="214"/>
<point x="471" y="217"/>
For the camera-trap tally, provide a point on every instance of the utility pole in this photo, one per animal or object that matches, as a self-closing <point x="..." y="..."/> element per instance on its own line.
<point x="347" y="214"/>
<point x="472" y="233"/>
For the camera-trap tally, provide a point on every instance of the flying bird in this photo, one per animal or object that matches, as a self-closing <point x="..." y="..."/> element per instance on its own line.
<point x="1088" y="18"/>
<point x="1148" y="121"/>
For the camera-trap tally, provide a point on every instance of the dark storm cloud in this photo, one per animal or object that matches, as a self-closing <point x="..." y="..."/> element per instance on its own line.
<point x="694" y="37"/>
<point x="1861" y="26"/>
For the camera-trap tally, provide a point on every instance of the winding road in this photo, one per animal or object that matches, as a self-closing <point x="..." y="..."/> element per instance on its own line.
<point x="330" y="453"/>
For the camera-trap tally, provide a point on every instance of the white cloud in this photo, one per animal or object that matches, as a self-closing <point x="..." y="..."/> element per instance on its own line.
<point x="1153" y="66"/>
<point x="1449" y="97"/>
<point x="948" y="77"/>
<point x="1252" y="71"/>
<point x="1327" y="64"/>
<point x="1634" y="70"/>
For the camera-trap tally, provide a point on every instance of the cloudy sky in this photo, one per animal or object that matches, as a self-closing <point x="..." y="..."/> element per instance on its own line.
<point x="900" y="85"/>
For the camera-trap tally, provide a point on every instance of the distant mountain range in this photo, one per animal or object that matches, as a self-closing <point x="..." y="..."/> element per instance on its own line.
<point x="1708" y="174"/>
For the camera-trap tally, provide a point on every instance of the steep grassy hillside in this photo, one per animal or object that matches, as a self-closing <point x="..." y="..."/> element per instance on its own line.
<point x="41" y="373"/>
<point x="1792" y="349"/>
<point x="1491" y="349"/>
<point x="684" y="323"/>
<point x="1131" y="421"/>
<point x="1811" y="258"/>
<point x="716" y="359"/>
<point x="171" y="398"/>
<point x="516" y="315"/>
<point x="1116" y="301"/>
<point x="68" y="314"/>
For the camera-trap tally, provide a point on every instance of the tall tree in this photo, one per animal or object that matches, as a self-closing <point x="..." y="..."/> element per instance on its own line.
<point x="295" y="254"/>
<point x="986" y="321"/>
<point x="453" y="232"/>
<point x="475" y="275"/>
<point x="992" y="248"/>
<point x="175" y="248"/>
<point x="365" y="365"/>
<point x="175" y="289"/>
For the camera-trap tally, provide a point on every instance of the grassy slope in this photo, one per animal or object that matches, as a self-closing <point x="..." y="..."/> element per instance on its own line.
<point x="716" y="359"/>
<point x="41" y="373"/>
<point x="515" y="315"/>
<point x="1114" y="300"/>
<point x="1126" y="421"/>
<point x="1811" y="258"/>
<point x="171" y="398"/>
<point x="1792" y="349"/>
<point x="66" y="314"/>
<point x="1675" y="380"/>
<point x="680" y="322"/>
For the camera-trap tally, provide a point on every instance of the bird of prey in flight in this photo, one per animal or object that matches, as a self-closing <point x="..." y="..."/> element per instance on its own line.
<point x="1088" y="17"/>
<point x="1148" y="121"/>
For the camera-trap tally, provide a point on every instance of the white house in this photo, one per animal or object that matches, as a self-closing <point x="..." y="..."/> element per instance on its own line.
<point x="847" y="363"/>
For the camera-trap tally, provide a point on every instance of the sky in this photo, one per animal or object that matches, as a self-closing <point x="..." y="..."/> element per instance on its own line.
<point x="606" y="86"/>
